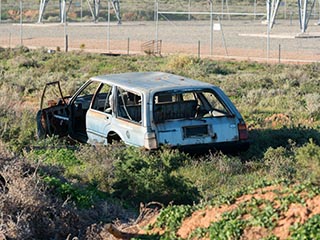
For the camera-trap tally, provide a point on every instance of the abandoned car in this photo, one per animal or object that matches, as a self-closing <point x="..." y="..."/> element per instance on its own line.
<point x="146" y="109"/>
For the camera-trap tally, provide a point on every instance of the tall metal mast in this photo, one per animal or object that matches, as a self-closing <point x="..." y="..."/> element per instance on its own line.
<point x="64" y="6"/>
<point x="305" y="8"/>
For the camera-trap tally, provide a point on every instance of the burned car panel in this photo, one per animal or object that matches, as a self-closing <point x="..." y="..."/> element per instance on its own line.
<point x="149" y="110"/>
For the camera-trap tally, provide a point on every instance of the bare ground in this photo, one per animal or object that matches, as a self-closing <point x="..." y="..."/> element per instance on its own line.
<point x="239" y="39"/>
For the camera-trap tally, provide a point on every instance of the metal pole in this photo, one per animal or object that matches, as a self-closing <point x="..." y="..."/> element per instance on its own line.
<point x="211" y="27"/>
<point x="157" y="20"/>
<point x="268" y="28"/>
<point x="305" y="16"/>
<point x="155" y="10"/>
<point x="21" y="42"/>
<point x="254" y="9"/>
<point x="268" y="38"/>
<point x="279" y="53"/>
<point x="9" y="39"/>
<point x="108" y="35"/>
<point x="222" y="8"/>
<point x="285" y="9"/>
<point x="66" y="43"/>
<point x="65" y="29"/>
<point x="223" y="38"/>
<point x="128" y="49"/>
<point x="81" y="10"/>
<point x="199" y="49"/>
<point x="319" y="12"/>
<point x="228" y="11"/>
<point x="189" y="15"/>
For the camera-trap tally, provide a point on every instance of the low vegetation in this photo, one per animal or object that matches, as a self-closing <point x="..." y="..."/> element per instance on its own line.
<point x="54" y="187"/>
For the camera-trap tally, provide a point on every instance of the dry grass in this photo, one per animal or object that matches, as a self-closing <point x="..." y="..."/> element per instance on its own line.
<point x="28" y="210"/>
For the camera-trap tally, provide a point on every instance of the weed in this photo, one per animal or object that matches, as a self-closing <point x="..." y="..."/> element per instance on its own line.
<point x="308" y="230"/>
<point x="280" y="163"/>
<point x="171" y="218"/>
<point x="308" y="160"/>
<point x="140" y="176"/>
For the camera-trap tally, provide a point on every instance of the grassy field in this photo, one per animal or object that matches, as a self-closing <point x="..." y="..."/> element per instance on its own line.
<point x="58" y="188"/>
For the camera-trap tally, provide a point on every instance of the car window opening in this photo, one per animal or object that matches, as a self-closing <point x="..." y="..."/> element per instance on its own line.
<point x="129" y="106"/>
<point x="188" y="105"/>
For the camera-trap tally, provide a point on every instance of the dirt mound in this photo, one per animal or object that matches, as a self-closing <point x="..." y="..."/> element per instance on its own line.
<point x="27" y="14"/>
<point x="277" y="211"/>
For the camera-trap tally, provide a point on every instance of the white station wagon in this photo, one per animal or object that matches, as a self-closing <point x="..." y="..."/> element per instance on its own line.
<point x="146" y="109"/>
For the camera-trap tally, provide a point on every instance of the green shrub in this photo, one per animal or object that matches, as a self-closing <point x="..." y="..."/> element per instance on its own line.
<point x="141" y="176"/>
<point x="181" y="63"/>
<point x="97" y="165"/>
<point x="16" y="130"/>
<point x="83" y="197"/>
<point x="308" y="230"/>
<point x="308" y="160"/>
<point x="171" y="218"/>
<point x="262" y="139"/>
<point x="313" y="105"/>
<point x="279" y="163"/>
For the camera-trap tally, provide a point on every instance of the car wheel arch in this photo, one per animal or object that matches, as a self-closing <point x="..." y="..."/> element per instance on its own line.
<point x="113" y="136"/>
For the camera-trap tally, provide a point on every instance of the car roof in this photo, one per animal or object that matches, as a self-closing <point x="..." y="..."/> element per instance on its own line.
<point x="149" y="81"/>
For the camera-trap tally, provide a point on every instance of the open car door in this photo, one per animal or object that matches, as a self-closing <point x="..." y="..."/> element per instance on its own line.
<point x="53" y="116"/>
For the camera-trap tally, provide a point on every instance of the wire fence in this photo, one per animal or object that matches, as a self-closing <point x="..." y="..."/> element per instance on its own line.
<point x="237" y="32"/>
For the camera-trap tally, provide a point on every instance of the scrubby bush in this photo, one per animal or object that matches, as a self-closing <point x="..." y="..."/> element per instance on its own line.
<point x="308" y="160"/>
<point x="97" y="165"/>
<point x="28" y="212"/>
<point x="279" y="163"/>
<point x="141" y="176"/>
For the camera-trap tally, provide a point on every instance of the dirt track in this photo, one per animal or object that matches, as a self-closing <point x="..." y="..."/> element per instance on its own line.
<point x="246" y="40"/>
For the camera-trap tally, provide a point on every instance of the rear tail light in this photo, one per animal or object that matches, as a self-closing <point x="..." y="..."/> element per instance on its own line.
<point x="243" y="131"/>
<point x="150" y="140"/>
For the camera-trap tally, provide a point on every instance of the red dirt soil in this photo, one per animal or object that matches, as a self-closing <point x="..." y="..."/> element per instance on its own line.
<point x="295" y="213"/>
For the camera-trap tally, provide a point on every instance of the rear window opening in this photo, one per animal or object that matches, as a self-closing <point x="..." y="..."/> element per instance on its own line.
<point x="188" y="105"/>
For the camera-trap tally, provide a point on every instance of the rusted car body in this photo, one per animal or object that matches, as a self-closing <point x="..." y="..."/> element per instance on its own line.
<point x="148" y="110"/>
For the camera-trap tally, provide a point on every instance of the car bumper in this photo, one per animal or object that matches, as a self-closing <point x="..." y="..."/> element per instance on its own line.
<point x="228" y="147"/>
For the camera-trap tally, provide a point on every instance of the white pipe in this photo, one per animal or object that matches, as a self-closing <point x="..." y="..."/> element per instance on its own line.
<point x="214" y="13"/>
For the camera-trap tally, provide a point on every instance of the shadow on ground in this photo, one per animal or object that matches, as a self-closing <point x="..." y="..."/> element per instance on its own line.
<point x="262" y="139"/>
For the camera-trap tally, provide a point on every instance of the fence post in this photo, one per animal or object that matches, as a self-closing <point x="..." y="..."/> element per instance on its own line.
<point x="279" y="53"/>
<point x="67" y="42"/>
<point x="128" y="47"/>
<point x="9" y="39"/>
